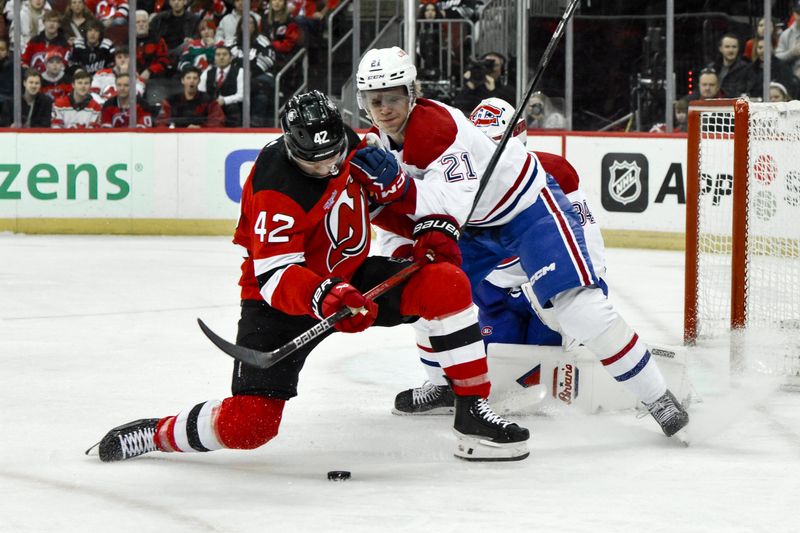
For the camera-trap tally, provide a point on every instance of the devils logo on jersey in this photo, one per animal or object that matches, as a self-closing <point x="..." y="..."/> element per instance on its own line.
<point x="346" y="226"/>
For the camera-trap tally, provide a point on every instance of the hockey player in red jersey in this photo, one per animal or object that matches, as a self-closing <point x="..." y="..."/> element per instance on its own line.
<point x="305" y="224"/>
<point x="522" y="212"/>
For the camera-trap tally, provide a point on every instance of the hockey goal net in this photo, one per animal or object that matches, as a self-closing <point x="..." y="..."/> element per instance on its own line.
<point x="743" y="231"/>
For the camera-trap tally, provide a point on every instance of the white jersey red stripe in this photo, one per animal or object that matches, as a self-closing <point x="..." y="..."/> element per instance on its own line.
<point x="568" y="237"/>
<point x="447" y="154"/>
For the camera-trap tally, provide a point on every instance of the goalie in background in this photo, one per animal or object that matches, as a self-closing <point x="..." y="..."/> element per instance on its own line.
<point x="305" y="227"/>
<point x="522" y="212"/>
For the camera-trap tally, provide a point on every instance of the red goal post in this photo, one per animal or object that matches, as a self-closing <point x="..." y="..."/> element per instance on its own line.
<point x="742" y="217"/>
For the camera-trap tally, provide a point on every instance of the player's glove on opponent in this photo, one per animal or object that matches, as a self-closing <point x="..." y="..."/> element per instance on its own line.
<point x="377" y="170"/>
<point x="436" y="239"/>
<point x="333" y="294"/>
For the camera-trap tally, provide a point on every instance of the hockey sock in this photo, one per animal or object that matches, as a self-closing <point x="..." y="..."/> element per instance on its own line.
<point x="243" y="422"/>
<point x="450" y="336"/>
<point x="191" y="430"/>
<point x="588" y="316"/>
<point x="428" y="358"/>
<point x="456" y="340"/>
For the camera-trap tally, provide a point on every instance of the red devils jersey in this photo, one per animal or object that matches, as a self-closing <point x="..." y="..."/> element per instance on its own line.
<point x="299" y="230"/>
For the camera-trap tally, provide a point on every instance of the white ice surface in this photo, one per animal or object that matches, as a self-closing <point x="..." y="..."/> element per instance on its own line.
<point x="98" y="331"/>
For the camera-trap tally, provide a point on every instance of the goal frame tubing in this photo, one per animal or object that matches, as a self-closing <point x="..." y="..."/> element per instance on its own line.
<point x="740" y="108"/>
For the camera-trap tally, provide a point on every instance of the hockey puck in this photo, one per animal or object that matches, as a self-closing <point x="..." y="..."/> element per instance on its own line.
<point x="338" y="475"/>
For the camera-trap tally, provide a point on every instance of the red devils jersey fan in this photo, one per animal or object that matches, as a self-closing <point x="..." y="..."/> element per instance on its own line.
<point x="305" y="225"/>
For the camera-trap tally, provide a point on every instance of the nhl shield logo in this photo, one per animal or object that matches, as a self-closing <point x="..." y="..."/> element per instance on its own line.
<point x="625" y="184"/>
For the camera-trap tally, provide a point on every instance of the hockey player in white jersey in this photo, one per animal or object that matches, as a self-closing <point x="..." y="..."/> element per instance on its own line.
<point x="521" y="213"/>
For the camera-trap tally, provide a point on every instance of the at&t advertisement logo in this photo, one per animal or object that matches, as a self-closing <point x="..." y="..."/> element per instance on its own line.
<point x="624" y="182"/>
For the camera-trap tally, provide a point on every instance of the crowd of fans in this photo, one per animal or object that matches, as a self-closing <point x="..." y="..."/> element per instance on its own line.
<point x="189" y="56"/>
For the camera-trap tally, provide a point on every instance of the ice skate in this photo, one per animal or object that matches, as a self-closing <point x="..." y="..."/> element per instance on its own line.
<point x="429" y="399"/>
<point x="484" y="436"/>
<point x="669" y="413"/>
<point x="128" y="440"/>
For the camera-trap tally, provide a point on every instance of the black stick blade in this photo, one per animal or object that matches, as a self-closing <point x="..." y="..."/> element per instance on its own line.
<point x="240" y="353"/>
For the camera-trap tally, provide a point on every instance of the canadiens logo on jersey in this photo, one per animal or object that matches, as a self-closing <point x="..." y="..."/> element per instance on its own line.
<point x="346" y="225"/>
<point x="486" y="115"/>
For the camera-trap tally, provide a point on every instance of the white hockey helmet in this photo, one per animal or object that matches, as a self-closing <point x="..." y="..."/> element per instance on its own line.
<point x="492" y="116"/>
<point x="384" y="68"/>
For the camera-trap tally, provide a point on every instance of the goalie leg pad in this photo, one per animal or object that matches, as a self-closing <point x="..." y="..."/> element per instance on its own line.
<point x="473" y="448"/>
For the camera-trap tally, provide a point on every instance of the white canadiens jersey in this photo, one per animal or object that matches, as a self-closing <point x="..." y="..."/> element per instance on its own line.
<point x="446" y="154"/>
<point x="510" y="273"/>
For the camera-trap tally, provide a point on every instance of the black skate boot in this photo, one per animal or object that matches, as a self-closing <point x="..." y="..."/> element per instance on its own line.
<point x="669" y="413"/>
<point x="128" y="440"/>
<point x="484" y="436"/>
<point x="429" y="399"/>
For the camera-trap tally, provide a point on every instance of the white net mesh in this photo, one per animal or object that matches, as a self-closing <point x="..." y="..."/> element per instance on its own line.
<point x="771" y="338"/>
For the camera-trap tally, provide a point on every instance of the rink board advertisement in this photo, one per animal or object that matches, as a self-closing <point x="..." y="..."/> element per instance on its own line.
<point x="188" y="182"/>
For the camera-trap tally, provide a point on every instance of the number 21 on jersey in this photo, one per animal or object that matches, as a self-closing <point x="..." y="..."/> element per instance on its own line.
<point x="284" y="223"/>
<point x="458" y="167"/>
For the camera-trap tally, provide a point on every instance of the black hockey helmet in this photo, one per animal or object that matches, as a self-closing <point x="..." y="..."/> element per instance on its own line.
<point x="313" y="129"/>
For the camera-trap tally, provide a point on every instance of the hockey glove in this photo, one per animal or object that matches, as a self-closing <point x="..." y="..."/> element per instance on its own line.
<point x="436" y="240"/>
<point x="377" y="170"/>
<point x="334" y="294"/>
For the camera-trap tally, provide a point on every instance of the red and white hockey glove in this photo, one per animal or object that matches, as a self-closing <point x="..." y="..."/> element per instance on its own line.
<point x="436" y="240"/>
<point x="377" y="170"/>
<point x="334" y="294"/>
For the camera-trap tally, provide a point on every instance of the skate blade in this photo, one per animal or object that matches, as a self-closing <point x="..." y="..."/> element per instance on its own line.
<point x="94" y="449"/>
<point x="476" y="449"/>
<point x="438" y="411"/>
<point x="682" y="436"/>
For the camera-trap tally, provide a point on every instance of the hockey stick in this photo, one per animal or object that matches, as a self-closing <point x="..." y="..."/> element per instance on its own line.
<point x="543" y="62"/>
<point x="265" y="360"/>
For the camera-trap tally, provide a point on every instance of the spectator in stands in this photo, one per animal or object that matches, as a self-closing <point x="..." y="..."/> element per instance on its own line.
<point x="200" y="52"/>
<point x="778" y="93"/>
<point x="212" y="10"/>
<point x="109" y="12"/>
<point x="788" y="49"/>
<point x="681" y="114"/>
<point x="226" y="31"/>
<point x="543" y="114"/>
<point x="708" y="86"/>
<point x="56" y="81"/>
<point x="152" y="54"/>
<point x="225" y="83"/>
<point x="75" y="19"/>
<point x="30" y="15"/>
<point x="282" y="31"/>
<point x="6" y="72"/>
<point x="483" y="80"/>
<point x="36" y="107"/>
<point x="116" y="110"/>
<point x="176" y="26"/>
<point x="104" y="81"/>
<point x="311" y="19"/>
<point x="50" y="38"/>
<point x="95" y="52"/>
<point x="262" y="80"/>
<point x="3" y="23"/>
<point x="733" y="72"/>
<point x="77" y="109"/>
<point x="779" y="72"/>
<point x="748" y="46"/>
<point x="190" y="108"/>
<point x="429" y="46"/>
